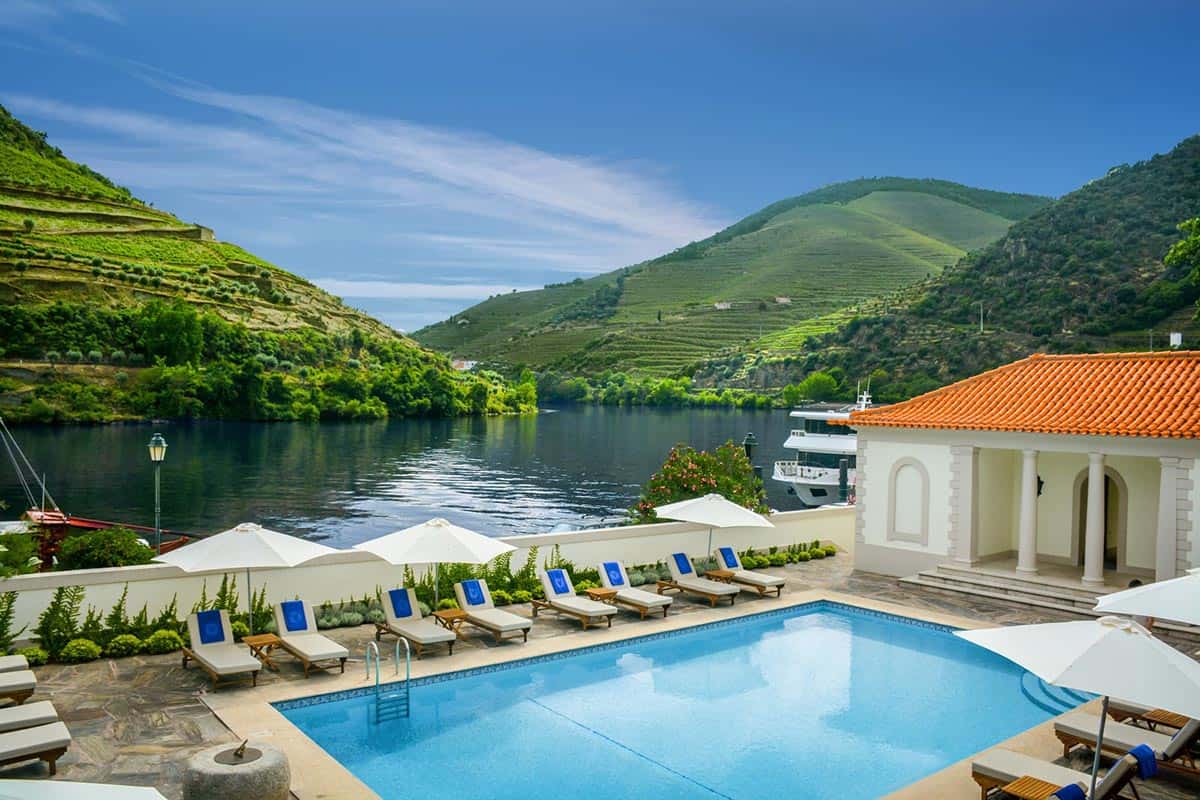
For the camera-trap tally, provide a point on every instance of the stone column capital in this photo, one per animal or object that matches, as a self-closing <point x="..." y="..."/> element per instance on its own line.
<point x="1095" y="458"/>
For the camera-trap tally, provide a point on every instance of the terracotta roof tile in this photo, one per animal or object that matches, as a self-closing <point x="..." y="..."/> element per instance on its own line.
<point x="1106" y="394"/>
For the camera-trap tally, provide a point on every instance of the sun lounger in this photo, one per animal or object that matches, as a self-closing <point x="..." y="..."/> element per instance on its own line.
<point x="213" y="648"/>
<point x="561" y="597"/>
<point x="613" y="576"/>
<point x="1172" y="752"/>
<point x="29" y="715"/>
<point x="999" y="767"/>
<point x="684" y="579"/>
<point x="17" y="686"/>
<point x="404" y="620"/>
<point x="44" y="742"/>
<point x="1125" y="711"/>
<point x="476" y="601"/>
<point x="13" y="663"/>
<point x="296" y="628"/>
<point x="753" y="580"/>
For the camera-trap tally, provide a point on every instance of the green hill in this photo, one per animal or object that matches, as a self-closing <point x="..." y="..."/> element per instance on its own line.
<point x="90" y="273"/>
<point x="1082" y="274"/>
<point x="805" y="262"/>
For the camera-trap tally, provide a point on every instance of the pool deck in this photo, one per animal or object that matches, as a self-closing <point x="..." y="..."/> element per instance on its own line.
<point x="137" y="720"/>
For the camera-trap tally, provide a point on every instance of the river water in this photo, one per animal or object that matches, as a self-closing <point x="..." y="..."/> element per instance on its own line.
<point x="347" y="482"/>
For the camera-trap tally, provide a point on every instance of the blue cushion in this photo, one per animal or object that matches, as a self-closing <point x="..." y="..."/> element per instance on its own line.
<point x="558" y="581"/>
<point x="294" y="618"/>
<point x="401" y="607"/>
<point x="682" y="564"/>
<point x="613" y="570"/>
<point x="473" y="592"/>
<point x="728" y="556"/>
<point x="1147" y="762"/>
<point x="1070" y="792"/>
<point x="211" y="630"/>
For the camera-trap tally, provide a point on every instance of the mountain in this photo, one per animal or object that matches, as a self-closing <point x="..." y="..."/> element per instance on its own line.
<point x="1082" y="274"/>
<point x="88" y="273"/>
<point x="804" y="262"/>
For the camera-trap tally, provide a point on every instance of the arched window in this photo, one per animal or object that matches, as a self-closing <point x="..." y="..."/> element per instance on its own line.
<point x="908" y="502"/>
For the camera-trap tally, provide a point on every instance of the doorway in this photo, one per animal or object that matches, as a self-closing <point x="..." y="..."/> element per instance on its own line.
<point x="1115" y="505"/>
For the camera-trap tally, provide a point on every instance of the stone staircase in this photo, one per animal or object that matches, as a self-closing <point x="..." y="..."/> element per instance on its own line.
<point x="1037" y="593"/>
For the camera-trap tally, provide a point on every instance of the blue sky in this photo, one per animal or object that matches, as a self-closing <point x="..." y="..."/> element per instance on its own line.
<point x="415" y="157"/>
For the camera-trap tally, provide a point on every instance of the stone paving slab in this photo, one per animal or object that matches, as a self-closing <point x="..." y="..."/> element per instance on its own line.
<point x="137" y="720"/>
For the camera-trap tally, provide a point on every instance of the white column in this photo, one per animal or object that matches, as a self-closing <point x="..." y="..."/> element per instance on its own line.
<point x="1027" y="544"/>
<point x="1165" y="542"/>
<point x="1093" y="536"/>
<point x="964" y="518"/>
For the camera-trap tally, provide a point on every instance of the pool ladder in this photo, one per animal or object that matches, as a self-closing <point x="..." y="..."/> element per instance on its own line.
<point x="391" y="701"/>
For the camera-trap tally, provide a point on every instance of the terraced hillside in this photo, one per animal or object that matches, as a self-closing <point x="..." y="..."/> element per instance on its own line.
<point x="798" y="265"/>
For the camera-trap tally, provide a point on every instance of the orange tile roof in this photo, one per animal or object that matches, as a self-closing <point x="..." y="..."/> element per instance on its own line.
<point x="1105" y="394"/>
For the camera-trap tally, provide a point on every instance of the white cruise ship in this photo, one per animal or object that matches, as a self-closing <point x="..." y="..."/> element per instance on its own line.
<point x="820" y="446"/>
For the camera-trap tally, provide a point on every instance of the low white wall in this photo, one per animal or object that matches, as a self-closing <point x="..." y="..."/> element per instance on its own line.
<point x="352" y="574"/>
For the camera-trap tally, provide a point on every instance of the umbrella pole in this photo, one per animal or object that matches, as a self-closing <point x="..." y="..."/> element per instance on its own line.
<point x="435" y="586"/>
<point x="708" y="552"/>
<point x="249" y="603"/>
<point x="1099" y="741"/>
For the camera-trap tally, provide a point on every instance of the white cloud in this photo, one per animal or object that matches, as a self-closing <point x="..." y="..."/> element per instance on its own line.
<point x="397" y="290"/>
<point x="33" y="14"/>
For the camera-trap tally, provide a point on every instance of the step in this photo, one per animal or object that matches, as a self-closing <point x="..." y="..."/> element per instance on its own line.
<point x="1013" y="588"/>
<point x="1184" y="632"/>
<point x="1063" y="588"/>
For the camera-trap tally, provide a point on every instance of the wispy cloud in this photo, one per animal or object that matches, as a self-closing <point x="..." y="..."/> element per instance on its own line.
<point x="395" y="290"/>
<point x="37" y="13"/>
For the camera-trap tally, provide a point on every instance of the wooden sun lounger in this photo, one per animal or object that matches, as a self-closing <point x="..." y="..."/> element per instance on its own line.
<point x="663" y="586"/>
<point x="584" y="618"/>
<point x="563" y="600"/>
<point x="638" y="607"/>
<point x="1172" y="752"/>
<point x="215" y="677"/>
<point x="18" y="685"/>
<point x="45" y="743"/>
<point x="384" y="629"/>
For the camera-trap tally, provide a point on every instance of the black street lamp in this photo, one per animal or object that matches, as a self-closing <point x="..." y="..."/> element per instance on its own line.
<point x="748" y="444"/>
<point x="158" y="451"/>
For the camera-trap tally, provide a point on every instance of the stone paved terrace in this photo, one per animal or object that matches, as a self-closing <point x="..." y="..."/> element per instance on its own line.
<point x="137" y="720"/>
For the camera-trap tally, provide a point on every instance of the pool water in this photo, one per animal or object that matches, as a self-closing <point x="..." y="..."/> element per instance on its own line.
<point x="819" y="701"/>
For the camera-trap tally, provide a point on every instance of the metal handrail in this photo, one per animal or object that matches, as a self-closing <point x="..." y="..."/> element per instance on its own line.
<point x="407" y="659"/>
<point x="372" y="647"/>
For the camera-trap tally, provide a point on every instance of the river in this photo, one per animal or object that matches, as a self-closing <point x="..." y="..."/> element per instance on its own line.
<point x="347" y="482"/>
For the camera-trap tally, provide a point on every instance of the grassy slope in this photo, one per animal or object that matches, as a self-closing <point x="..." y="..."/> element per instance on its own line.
<point x="827" y="251"/>
<point x="79" y="216"/>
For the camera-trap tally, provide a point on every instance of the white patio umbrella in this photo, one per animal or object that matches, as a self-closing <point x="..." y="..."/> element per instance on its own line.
<point x="1110" y="656"/>
<point x="435" y="542"/>
<point x="1176" y="599"/>
<point x="247" y="546"/>
<point x="71" y="790"/>
<point x="714" y="511"/>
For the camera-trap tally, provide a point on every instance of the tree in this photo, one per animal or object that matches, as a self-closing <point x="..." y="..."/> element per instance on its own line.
<point x="689" y="473"/>
<point x="818" y="386"/>
<point x="1186" y="252"/>
<point x="171" y="331"/>
<point x="29" y="225"/>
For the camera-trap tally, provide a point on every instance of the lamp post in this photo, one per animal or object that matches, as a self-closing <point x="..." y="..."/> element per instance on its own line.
<point x="748" y="444"/>
<point x="158" y="451"/>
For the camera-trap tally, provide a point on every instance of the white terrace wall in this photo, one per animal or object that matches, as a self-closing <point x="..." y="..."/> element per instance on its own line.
<point x="352" y="574"/>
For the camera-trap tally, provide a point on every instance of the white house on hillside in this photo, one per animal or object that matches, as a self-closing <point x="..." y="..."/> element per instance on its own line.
<point x="996" y="473"/>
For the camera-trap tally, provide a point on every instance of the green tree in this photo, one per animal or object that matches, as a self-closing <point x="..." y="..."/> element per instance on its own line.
<point x="818" y="386"/>
<point x="171" y="331"/>
<point x="689" y="473"/>
<point x="29" y="225"/>
<point x="1186" y="252"/>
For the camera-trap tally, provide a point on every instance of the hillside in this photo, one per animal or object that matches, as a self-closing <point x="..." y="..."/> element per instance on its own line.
<point x="802" y="263"/>
<point x="88" y="272"/>
<point x="1085" y="273"/>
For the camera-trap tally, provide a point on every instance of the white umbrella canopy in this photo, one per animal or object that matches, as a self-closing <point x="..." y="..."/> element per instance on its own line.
<point x="70" y="790"/>
<point x="1177" y="599"/>
<point x="435" y="542"/>
<point x="246" y="546"/>
<point x="714" y="511"/>
<point x="1110" y="656"/>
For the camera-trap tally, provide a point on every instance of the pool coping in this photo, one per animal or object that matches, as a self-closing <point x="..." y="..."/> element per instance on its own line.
<point x="252" y="712"/>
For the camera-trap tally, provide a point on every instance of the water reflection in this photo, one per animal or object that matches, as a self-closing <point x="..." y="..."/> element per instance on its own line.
<point x="347" y="482"/>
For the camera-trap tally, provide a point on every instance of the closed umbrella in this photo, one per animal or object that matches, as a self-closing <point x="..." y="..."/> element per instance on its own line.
<point x="435" y="542"/>
<point x="247" y="546"/>
<point x="1177" y="599"/>
<point x="1110" y="656"/>
<point x="714" y="511"/>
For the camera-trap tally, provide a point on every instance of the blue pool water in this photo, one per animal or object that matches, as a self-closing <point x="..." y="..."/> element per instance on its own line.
<point x="814" y="702"/>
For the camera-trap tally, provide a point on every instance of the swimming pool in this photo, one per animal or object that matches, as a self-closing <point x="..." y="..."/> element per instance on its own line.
<point x="821" y="700"/>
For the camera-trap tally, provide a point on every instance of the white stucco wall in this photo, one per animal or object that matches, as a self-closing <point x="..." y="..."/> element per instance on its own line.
<point x="999" y="478"/>
<point x="1193" y="556"/>
<point x="881" y="456"/>
<point x="1141" y="476"/>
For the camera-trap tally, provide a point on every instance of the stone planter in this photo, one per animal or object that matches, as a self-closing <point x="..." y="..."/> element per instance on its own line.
<point x="219" y="773"/>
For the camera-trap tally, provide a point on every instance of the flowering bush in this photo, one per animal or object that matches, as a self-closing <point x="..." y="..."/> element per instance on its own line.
<point x="691" y="473"/>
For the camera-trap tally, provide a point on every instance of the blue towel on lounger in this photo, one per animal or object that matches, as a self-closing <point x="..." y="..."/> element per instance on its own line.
<point x="682" y="564"/>
<point x="728" y="556"/>
<point x="558" y="581"/>
<point x="401" y="606"/>
<point x="294" y="618"/>
<point x="1070" y="792"/>
<point x="1147" y="761"/>
<point x="613" y="570"/>
<point x="211" y="629"/>
<point x="473" y="593"/>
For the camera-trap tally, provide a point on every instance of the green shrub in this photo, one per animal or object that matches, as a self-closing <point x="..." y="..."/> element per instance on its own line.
<point x="8" y="601"/>
<point x="425" y="609"/>
<point x="239" y="629"/>
<point x="75" y="356"/>
<point x="501" y="597"/>
<point x="351" y="619"/>
<point x="447" y="603"/>
<point x="664" y="574"/>
<point x="637" y="579"/>
<point x="124" y="645"/>
<point x="802" y="556"/>
<point x="328" y="621"/>
<point x="522" y="596"/>
<point x="816" y="545"/>
<point x="161" y="642"/>
<point x="790" y="557"/>
<point x="777" y="559"/>
<point x="113" y="547"/>
<point x="267" y="627"/>
<point x="818" y="553"/>
<point x="96" y="262"/>
<point x="829" y="550"/>
<point x="79" y="650"/>
<point x="36" y="656"/>
<point x="59" y="621"/>
<point x="583" y="586"/>
<point x="376" y="615"/>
